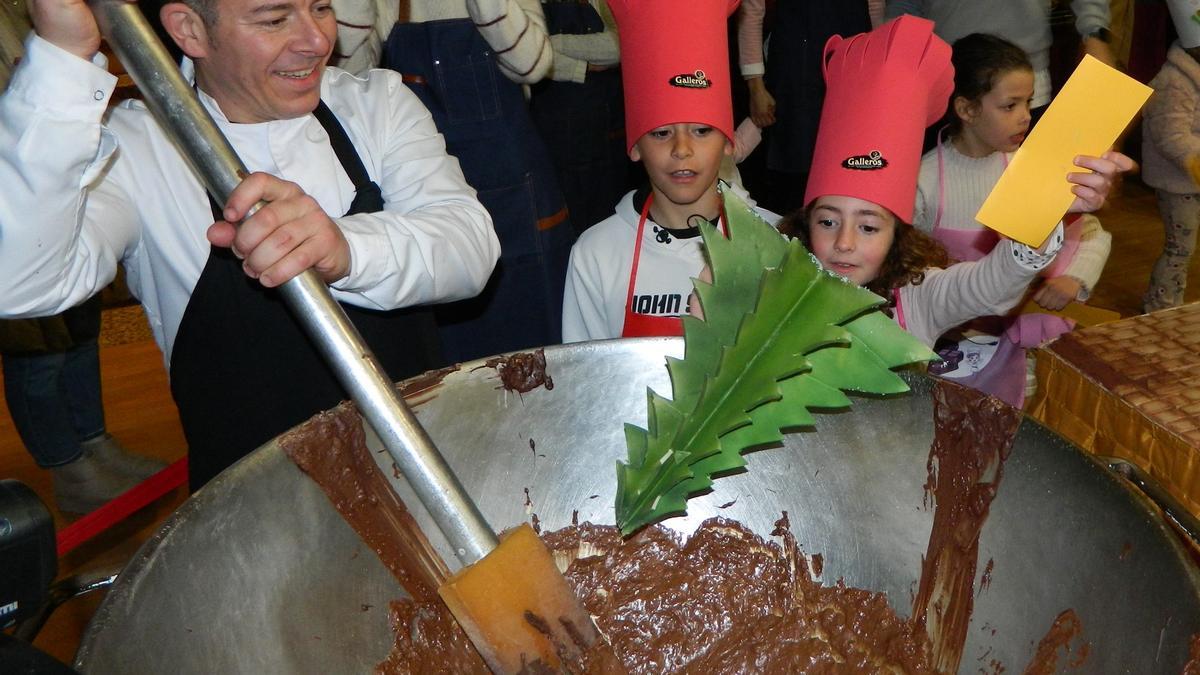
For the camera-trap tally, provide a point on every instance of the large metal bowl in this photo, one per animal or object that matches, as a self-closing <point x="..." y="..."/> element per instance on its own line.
<point x="257" y="573"/>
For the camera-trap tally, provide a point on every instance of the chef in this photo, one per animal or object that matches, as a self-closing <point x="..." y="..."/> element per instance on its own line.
<point x="358" y="187"/>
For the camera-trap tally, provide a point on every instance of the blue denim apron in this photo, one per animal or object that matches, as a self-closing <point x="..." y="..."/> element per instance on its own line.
<point x="583" y="124"/>
<point x="485" y="121"/>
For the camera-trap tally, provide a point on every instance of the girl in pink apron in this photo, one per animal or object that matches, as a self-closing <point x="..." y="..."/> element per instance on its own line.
<point x="631" y="274"/>
<point x="988" y="119"/>
<point x="884" y="88"/>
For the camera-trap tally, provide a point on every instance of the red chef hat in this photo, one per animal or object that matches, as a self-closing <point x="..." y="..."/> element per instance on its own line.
<point x="883" y="89"/>
<point x="674" y="63"/>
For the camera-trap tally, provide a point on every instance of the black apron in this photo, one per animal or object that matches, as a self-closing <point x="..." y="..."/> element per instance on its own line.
<point x="583" y="124"/>
<point x="794" y="75"/>
<point x="242" y="368"/>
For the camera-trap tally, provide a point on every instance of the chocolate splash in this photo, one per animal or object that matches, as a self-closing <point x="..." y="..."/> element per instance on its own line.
<point x="1066" y="628"/>
<point x="985" y="582"/>
<point x="415" y="390"/>
<point x="973" y="434"/>
<point x="428" y="640"/>
<point x="1192" y="667"/>
<point x="522" y="372"/>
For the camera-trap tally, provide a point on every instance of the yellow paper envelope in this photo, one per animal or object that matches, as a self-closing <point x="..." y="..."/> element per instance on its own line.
<point x="1086" y="117"/>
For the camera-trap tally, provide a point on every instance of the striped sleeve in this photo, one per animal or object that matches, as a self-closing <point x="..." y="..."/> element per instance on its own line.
<point x="362" y="26"/>
<point x="516" y="31"/>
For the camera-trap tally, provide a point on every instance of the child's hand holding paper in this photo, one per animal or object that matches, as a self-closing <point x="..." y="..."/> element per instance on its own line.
<point x="1091" y="188"/>
<point x="1042" y="182"/>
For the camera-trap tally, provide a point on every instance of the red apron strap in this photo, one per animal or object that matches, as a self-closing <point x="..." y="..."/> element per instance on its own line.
<point x="637" y="253"/>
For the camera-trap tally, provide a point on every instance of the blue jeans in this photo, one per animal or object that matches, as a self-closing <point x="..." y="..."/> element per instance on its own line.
<point x="55" y="402"/>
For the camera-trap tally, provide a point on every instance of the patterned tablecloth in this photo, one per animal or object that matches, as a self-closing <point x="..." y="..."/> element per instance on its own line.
<point x="1130" y="389"/>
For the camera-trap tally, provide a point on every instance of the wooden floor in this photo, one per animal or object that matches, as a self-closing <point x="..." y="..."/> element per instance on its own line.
<point x="140" y="412"/>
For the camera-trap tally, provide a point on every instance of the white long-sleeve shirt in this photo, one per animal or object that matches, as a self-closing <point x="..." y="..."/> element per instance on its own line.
<point x="968" y="182"/>
<point x="574" y="53"/>
<point x="990" y="286"/>
<point x="514" y="29"/>
<point x="601" y="262"/>
<point x="84" y="191"/>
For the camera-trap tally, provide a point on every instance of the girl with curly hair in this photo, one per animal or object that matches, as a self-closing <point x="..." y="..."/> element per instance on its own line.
<point x="884" y="88"/>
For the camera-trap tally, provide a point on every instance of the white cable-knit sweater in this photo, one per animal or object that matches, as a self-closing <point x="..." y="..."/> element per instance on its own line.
<point x="969" y="180"/>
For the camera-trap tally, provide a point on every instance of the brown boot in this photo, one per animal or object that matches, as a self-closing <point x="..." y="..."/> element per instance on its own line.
<point x="113" y="455"/>
<point x="87" y="484"/>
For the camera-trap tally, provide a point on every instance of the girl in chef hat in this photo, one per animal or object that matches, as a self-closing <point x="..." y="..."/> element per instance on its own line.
<point x="631" y="274"/>
<point x="884" y="88"/>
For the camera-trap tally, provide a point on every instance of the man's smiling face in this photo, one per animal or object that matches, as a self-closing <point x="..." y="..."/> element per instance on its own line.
<point x="264" y="59"/>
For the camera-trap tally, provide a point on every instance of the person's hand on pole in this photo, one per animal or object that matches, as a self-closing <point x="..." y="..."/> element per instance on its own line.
<point x="67" y="24"/>
<point x="288" y="235"/>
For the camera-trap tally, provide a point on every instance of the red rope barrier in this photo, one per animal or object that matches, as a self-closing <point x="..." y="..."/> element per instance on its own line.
<point x="131" y="501"/>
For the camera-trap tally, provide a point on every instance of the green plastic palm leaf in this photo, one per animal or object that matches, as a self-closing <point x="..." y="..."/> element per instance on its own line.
<point x="862" y="365"/>
<point x="798" y="312"/>
<point x="780" y="336"/>
<point x="865" y="364"/>
<point x="737" y="263"/>
<point x="799" y="309"/>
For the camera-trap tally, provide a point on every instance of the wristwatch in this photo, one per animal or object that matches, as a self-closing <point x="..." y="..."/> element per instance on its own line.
<point x="1101" y="34"/>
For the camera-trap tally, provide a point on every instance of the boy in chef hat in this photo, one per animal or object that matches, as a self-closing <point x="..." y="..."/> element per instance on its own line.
<point x="1171" y="156"/>
<point x="630" y="275"/>
<point x="883" y="89"/>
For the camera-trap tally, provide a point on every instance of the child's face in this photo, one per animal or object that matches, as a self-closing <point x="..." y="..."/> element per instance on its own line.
<point x="682" y="160"/>
<point x="851" y="236"/>
<point x="1000" y="119"/>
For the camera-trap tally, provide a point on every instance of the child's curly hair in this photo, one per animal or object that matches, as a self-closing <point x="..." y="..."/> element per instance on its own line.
<point x="912" y="252"/>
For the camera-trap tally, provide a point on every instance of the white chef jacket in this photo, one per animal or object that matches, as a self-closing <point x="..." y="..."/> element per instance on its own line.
<point x="84" y="190"/>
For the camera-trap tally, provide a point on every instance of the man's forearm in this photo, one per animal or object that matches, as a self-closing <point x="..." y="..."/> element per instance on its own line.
<point x="434" y="242"/>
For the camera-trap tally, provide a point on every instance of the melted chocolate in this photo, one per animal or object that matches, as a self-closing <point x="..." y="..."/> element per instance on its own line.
<point x="332" y="449"/>
<point x="973" y="435"/>
<point x="723" y="601"/>
<point x="522" y="372"/>
<point x="1065" y="629"/>
<point x="1192" y="667"/>
<point x="416" y="390"/>
<point x="985" y="582"/>
<point x="428" y="640"/>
